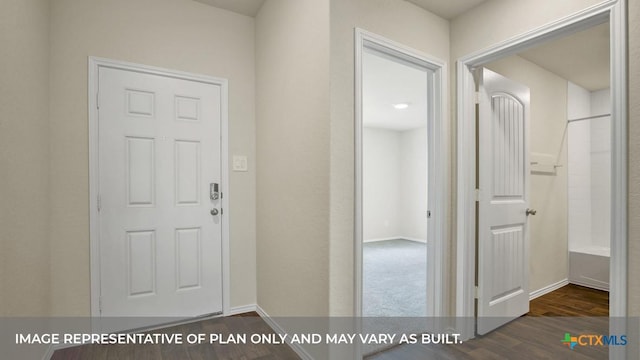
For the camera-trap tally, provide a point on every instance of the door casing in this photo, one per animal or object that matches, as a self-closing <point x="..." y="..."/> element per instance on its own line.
<point x="613" y="11"/>
<point x="95" y="64"/>
<point x="437" y="167"/>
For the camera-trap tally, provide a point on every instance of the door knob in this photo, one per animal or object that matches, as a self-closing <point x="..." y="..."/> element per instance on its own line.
<point x="531" y="212"/>
<point x="214" y="212"/>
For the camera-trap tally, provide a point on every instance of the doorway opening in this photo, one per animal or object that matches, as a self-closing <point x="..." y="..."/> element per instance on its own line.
<point x="551" y="161"/>
<point x="569" y="175"/>
<point x="400" y="189"/>
<point x="394" y="202"/>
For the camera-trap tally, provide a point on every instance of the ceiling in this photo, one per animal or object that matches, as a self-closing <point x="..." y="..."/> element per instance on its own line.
<point x="386" y="82"/>
<point x="244" y="7"/>
<point x="582" y="58"/>
<point x="447" y="9"/>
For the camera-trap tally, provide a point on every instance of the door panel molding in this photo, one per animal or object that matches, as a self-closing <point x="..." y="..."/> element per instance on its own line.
<point x="614" y="12"/>
<point x="503" y="226"/>
<point x="94" y="64"/>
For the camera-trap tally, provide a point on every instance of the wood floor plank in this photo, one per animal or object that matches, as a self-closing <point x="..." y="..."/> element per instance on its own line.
<point x="534" y="336"/>
<point x="248" y="323"/>
<point x="537" y="335"/>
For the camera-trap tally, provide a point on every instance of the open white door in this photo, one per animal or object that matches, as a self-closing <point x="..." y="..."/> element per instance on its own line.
<point x="160" y="240"/>
<point x="503" y="233"/>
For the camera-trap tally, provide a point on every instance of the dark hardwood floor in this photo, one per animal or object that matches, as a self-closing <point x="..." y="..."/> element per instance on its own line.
<point x="571" y="300"/>
<point x="248" y="323"/>
<point x="537" y="335"/>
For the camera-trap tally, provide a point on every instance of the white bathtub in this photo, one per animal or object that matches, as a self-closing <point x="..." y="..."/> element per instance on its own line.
<point x="589" y="266"/>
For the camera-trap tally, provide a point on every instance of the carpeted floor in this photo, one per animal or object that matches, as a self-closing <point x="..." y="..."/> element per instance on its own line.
<point x="394" y="278"/>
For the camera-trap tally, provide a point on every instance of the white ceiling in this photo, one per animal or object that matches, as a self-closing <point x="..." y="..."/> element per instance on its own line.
<point x="386" y="82"/>
<point x="244" y="7"/>
<point x="447" y="9"/>
<point x="582" y="58"/>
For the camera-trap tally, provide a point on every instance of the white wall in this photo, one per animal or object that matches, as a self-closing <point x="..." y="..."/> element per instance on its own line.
<point x="175" y="34"/>
<point x="579" y="166"/>
<point x="25" y="282"/>
<point x="397" y="20"/>
<point x="601" y="169"/>
<point x="413" y="184"/>
<point x="589" y="168"/>
<point x="24" y="158"/>
<point x="394" y="184"/>
<point x="293" y="143"/>
<point x="381" y="176"/>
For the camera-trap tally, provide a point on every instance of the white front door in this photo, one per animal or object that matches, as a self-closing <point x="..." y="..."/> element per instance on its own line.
<point x="503" y="231"/>
<point x="159" y="151"/>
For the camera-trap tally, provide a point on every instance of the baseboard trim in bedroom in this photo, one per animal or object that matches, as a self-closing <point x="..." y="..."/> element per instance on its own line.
<point x="547" y="289"/>
<point x="396" y="238"/>
<point x="297" y="348"/>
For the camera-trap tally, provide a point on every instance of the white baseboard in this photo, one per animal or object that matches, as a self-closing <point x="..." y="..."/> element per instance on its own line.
<point x="547" y="289"/>
<point x="396" y="238"/>
<point x="591" y="283"/>
<point x="422" y="241"/>
<point x="297" y="348"/>
<point x="241" y="309"/>
<point x="381" y="239"/>
<point x="49" y="353"/>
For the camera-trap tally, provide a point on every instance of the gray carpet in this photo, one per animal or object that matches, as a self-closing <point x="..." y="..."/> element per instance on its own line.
<point x="394" y="279"/>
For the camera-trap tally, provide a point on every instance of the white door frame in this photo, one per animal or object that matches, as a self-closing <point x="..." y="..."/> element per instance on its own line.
<point x="95" y="63"/>
<point x="614" y="11"/>
<point x="438" y="166"/>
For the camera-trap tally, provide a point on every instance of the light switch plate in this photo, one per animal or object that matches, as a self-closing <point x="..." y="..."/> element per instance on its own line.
<point x="240" y="163"/>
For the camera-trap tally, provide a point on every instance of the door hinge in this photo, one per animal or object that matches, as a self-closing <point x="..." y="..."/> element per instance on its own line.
<point x="99" y="203"/>
<point x="428" y="214"/>
<point x="100" y="304"/>
<point x="476" y="96"/>
<point x="475" y="292"/>
<point x="98" y="100"/>
<point x="477" y="194"/>
<point x="221" y="211"/>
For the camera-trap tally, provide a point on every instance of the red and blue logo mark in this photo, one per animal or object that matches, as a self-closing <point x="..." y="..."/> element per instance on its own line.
<point x="593" y="340"/>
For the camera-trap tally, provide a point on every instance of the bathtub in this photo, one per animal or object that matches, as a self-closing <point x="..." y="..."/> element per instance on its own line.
<point x="589" y="266"/>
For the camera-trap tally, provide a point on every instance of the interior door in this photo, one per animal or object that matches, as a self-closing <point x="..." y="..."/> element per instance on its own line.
<point x="503" y="233"/>
<point x="159" y="151"/>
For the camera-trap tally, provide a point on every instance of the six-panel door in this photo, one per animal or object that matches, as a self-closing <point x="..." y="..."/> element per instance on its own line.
<point x="159" y="149"/>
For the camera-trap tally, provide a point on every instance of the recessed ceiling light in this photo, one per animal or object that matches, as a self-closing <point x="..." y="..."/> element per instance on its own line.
<point x="401" y="106"/>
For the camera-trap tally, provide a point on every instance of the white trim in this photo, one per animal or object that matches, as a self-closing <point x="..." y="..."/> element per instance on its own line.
<point x="438" y="166"/>
<point x="297" y="348"/>
<point x="49" y="353"/>
<point x="547" y="289"/>
<point x="94" y="64"/>
<point x="424" y="241"/>
<point x="614" y="11"/>
<point x="241" y="309"/>
<point x="591" y="283"/>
